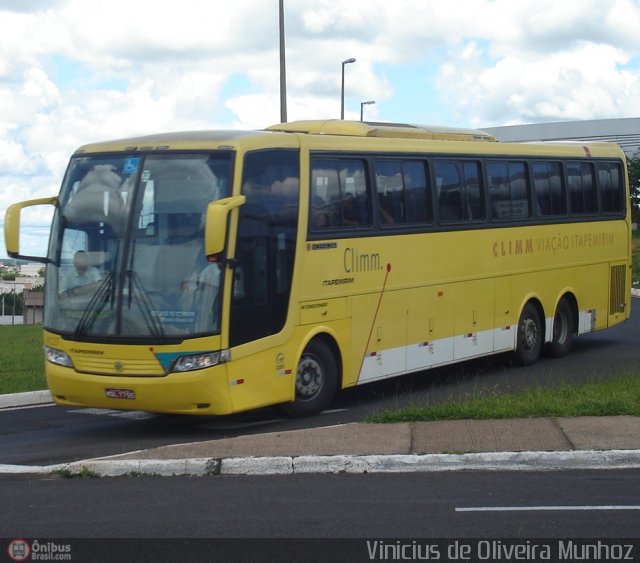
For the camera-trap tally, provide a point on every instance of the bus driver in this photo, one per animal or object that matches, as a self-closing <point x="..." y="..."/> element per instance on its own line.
<point x="77" y="280"/>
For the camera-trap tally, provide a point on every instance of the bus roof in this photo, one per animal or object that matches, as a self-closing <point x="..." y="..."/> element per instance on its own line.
<point x="414" y="137"/>
<point x="385" y="130"/>
<point x="175" y="140"/>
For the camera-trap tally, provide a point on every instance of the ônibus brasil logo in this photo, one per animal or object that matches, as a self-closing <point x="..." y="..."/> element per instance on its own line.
<point x="19" y="550"/>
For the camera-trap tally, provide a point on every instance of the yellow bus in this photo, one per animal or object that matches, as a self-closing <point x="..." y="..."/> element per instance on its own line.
<point x="215" y="272"/>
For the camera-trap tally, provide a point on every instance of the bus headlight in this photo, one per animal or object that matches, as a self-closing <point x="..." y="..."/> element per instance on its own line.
<point x="199" y="361"/>
<point x="57" y="357"/>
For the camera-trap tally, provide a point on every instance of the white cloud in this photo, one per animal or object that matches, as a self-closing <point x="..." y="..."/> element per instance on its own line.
<point x="585" y="82"/>
<point x="73" y="71"/>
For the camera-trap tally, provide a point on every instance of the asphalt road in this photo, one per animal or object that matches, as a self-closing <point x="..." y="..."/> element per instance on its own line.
<point x="408" y="505"/>
<point x="53" y="434"/>
<point x="482" y="505"/>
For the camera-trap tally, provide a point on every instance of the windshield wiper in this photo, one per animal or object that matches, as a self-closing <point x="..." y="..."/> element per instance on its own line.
<point x="144" y="303"/>
<point x="103" y="295"/>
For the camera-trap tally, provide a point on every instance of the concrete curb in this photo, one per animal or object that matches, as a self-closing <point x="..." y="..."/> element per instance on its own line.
<point x="286" y="465"/>
<point x="28" y="399"/>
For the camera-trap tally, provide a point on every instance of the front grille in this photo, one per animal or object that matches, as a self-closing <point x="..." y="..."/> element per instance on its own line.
<point x="113" y="366"/>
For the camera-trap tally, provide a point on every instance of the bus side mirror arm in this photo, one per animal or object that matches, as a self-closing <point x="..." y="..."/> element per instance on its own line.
<point x="215" y="231"/>
<point x="12" y="227"/>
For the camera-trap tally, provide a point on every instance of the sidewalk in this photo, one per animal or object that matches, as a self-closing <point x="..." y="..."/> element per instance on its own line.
<point x="510" y="444"/>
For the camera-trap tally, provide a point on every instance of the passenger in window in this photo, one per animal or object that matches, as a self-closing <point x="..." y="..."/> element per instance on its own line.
<point x="321" y="219"/>
<point x="320" y="214"/>
<point x="386" y="218"/>
<point x="350" y="216"/>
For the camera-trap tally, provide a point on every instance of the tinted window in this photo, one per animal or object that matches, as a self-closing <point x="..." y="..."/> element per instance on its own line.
<point x="265" y="246"/>
<point x="582" y="187"/>
<point x="459" y="191"/>
<point x="339" y="194"/>
<point x="508" y="192"/>
<point x="548" y="188"/>
<point x="403" y="194"/>
<point x="611" y="188"/>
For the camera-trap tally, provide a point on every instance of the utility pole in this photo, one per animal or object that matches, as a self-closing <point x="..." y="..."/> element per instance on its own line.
<point x="283" y="71"/>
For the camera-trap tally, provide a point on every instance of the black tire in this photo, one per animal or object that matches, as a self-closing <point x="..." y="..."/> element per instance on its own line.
<point x="563" y="330"/>
<point x="530" y="336"/>
<point x="316" y="380"/>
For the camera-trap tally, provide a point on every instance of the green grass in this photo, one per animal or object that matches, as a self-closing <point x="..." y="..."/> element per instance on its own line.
<point x="22" y="369"/>
<point x="21" y="359"/>
<point x="618" y="396"/>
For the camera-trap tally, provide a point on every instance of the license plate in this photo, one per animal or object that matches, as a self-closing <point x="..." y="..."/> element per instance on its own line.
<point x="113" y="393"/>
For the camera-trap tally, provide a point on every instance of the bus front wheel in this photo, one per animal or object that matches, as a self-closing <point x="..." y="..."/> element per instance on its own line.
<point x="530" y="335"/>
<point x="316" y="380"/>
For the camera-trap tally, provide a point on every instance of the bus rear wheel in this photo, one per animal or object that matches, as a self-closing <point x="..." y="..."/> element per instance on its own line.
<point x="316" y="380"/>
<point x="530" y="335"/>
<point x="563" y="330"/>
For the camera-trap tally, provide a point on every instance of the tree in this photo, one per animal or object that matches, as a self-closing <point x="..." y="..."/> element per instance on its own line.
<point x="633" y="165"/>
<point x="12" y="303"/>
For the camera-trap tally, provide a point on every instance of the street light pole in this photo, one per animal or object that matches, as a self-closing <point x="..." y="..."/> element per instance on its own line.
<point x="348" y="61"/>
<point x="362" y="104"/>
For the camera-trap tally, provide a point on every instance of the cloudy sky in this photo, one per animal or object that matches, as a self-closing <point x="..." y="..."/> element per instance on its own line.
<point x="75" y="71"/>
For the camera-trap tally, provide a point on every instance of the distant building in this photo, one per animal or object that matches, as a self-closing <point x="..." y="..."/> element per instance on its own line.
<point x="625" y="132"/>
<point x="33" y="307"/>
<point x="31" y="270"/>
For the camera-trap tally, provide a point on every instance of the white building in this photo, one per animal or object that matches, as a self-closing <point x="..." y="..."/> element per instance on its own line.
<point x="625" y="132"/>
<point x="31" y="269"/>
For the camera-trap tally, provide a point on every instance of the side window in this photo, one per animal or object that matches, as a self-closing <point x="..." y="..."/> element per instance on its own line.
<point x="508" y="193"/>
<point x="339" y="194"/>
<point x="403" y="194"/>
<point x="475" y="201"/>
<point x="611" y="188"/>
<point x="459" y="192"/>
<point x="582" y="188"/>
<point x="548" y="188"/>
<point x="449" y="186"/>
<point x="417" y="193"/>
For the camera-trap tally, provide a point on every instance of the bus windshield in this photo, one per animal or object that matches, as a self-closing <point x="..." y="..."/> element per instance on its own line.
<point x="127" y="248"/>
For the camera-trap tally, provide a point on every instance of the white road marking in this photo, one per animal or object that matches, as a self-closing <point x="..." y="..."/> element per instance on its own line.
<point x="94" y="411"/>
<point x="132" y="415"/>
<point x="542" y="508"/>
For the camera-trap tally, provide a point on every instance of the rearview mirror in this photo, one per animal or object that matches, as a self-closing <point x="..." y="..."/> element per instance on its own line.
<point x="215" y="231"/>
<point x="12" y="227"/>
